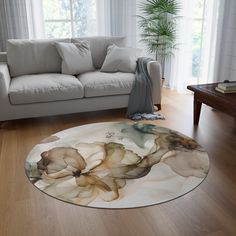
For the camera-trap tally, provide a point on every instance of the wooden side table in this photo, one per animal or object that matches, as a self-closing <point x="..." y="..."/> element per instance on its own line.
<point x="206" y="93"/>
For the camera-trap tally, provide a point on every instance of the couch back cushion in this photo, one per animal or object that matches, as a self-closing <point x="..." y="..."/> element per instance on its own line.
<point x="33" y="56"/>
<point x="98" y="46"/>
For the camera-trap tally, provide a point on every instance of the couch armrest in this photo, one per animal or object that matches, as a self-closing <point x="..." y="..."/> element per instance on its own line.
<point x="4" y="80"/>
<point x="154" y="70"/>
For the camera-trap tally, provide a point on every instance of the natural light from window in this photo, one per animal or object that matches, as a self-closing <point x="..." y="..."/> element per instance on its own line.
<point x="76" y="18"/>
<point x="69" y="18"/>
<point x="198" y="27"/>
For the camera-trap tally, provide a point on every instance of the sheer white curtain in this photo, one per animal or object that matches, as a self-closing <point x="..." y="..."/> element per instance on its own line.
<point x="180" y="73"/>
<point x="211" y="38"/>
<point x="35" y="19"/>
<point x="13" y="21"/>
<point x="226" y="69"/>
<point x="117" y="18"/>
<point x="181" y="62"/>
<point x="20" y="19"/>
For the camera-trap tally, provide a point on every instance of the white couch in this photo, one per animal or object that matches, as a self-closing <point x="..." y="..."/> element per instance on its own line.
<point x="31" y="83"/>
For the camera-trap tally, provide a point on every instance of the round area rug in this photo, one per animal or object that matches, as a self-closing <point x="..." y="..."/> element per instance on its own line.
<point x="117" y="165"/>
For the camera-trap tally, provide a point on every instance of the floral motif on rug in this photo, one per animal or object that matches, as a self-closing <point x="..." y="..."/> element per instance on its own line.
<point x="117" y="165"/>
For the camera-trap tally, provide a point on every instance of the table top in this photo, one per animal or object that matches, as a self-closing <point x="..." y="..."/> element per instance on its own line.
<point x="210" y="90"/>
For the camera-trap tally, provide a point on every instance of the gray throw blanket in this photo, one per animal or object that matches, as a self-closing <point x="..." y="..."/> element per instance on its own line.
<point x="140" y="100"/>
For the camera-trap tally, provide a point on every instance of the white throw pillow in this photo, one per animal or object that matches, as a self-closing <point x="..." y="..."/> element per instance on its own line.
<point x="76" y="57"/>
<point x="120" y="59"/>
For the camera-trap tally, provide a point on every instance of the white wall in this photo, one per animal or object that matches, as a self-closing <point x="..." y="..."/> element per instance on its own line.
<point x="227" y="59"/>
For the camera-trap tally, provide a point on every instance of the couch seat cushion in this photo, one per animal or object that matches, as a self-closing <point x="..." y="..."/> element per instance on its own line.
<point x="44" y="88"/>
<point x="98" y="83"/>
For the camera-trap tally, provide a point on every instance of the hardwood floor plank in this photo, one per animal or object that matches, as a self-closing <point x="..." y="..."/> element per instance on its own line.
<point x="208" y="210"/>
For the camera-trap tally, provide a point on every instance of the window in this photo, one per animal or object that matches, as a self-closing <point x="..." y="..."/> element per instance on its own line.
<point x="69" y="18"/>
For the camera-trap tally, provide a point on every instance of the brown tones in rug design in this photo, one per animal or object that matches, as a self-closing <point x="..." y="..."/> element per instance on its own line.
<point x="100" y="170"/>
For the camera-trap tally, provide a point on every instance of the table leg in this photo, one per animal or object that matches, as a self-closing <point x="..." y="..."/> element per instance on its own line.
<point x="197" y="111"/>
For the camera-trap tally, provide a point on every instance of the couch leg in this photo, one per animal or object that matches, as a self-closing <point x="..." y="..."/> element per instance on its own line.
<point x="1" y="124"/>
<point x="157" y="107"/>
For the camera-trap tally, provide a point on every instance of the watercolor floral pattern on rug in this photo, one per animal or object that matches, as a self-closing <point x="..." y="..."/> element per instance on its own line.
<point x="116" y="162"/>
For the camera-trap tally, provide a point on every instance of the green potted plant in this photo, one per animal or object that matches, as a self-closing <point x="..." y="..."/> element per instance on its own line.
<point x="158" y="26"/>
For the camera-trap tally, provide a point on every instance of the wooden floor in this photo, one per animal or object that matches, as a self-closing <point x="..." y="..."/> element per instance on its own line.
<point x="209" y="210"/>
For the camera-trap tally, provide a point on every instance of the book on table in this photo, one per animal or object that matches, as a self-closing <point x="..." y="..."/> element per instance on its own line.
<point x="225" y="91"/>
<point x="227" y="86"/>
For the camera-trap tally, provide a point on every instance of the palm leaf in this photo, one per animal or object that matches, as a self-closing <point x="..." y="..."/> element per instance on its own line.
<point x="158" y="24"/>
